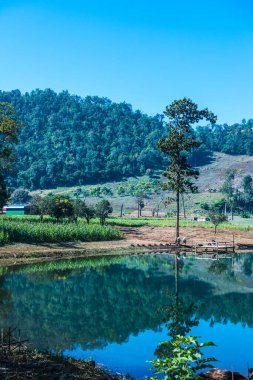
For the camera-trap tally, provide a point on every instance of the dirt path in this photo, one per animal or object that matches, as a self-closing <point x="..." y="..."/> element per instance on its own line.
<point x="23" y="253"/>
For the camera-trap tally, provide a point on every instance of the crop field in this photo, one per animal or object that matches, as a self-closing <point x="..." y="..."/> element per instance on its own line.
<point x="30" y="230"/>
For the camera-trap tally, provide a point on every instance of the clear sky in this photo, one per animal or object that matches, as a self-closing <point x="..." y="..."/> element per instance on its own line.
<point x="146" y="53"/>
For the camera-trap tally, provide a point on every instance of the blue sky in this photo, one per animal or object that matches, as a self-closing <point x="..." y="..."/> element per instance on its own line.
<point x="146" y="53"/>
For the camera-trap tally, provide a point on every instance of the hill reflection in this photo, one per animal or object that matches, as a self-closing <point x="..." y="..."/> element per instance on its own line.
<point x="106" y="301"/>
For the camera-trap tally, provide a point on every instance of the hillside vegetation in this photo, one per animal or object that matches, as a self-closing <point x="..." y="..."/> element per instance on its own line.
<point x="67" y="140"/>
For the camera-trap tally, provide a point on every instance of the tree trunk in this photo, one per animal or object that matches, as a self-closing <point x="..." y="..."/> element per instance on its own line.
<point x="182" y="197"/>
<point x="176" y="293"/>
<point x="121" y="210"/>
<point x="138" y="209"/>
<point x="215" y="229"/>
<point x="177" y="215"/>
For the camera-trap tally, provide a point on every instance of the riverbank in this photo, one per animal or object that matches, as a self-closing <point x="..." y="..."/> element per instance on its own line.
<point x="136" y="240"/>
<point x="34" y="365"/>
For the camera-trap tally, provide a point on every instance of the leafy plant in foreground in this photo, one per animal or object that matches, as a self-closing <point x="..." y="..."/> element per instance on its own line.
<point x="186" y="359"/>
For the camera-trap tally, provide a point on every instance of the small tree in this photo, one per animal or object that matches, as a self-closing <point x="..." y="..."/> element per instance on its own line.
<point x="82" y="210"/>
<point x="103" y="209"/>
<point x="20" y="196"/>
<point x="9" y="126"/>
<point x="217" y="218"/>
<point x="182" y="114"/>
<point x="140" y="195"/>
<point x="247" y="184"/>
<point x="41" y="205"/>
<point x="61" y="207"/>
<point x="185" y="360"/>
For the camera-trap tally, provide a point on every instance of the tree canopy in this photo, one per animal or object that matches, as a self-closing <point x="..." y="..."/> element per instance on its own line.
<point x="9" y="126"/>
<point x="69" y="140"/>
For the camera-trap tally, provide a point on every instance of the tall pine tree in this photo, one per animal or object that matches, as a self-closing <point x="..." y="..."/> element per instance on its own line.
<point x="182" y="114"/>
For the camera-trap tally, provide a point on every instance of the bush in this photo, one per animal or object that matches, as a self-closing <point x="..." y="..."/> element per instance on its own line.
<point x="245" y="214"/>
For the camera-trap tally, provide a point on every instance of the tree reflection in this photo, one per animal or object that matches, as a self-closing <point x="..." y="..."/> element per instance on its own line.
<point x="101" y="304"/>
<point x="180" y="357"/>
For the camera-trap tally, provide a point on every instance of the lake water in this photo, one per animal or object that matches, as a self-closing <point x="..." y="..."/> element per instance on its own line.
<point x="112" y="309"/>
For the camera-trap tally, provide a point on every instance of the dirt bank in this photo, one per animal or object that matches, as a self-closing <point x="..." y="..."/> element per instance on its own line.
<point x="25" y="253"/>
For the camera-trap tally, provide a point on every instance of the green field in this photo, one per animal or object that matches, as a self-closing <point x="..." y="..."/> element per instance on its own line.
<point x="171" y="222"/>
<point x="30" y="230"/>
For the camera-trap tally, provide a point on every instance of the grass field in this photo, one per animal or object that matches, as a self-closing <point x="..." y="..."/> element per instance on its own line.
<point x="171" y="222"/>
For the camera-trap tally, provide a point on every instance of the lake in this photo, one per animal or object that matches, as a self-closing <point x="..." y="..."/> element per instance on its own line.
<point x="113" y="309"/>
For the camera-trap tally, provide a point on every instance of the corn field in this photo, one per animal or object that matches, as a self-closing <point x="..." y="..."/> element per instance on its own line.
<point x="22" y="231"/>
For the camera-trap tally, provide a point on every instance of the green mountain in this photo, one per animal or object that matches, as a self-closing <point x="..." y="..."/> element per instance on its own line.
<point x="67" y="140"/>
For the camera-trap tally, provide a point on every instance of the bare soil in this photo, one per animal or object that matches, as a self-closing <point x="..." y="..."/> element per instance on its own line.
<point x="134" y="238"/>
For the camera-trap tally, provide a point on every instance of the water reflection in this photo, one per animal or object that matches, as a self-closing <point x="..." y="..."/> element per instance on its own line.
<point x="91" y="304"/>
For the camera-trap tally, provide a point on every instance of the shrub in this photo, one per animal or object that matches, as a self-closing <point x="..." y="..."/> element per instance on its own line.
<point x="245" y="214"/>
<point x="185" y="359"/>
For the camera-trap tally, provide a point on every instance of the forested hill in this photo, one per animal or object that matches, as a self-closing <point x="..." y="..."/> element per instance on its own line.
<point x="69" y="140"/>
<point x="231" y="139"/>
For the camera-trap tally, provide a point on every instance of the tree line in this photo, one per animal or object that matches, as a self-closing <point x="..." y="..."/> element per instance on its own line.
<point x="61" y="207"/>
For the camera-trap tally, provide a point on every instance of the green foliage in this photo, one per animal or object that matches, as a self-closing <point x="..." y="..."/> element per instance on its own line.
<point x="4" y="237"/>
<point x="247" y="184"/>
<point x="60" y="207"/>
<point x="217" y="206"/>
<point x="205" y="206"/>
<point x="245" y="214"/>
<point x="216" y="218"/>
<point x="40" y="205"/>
<point x="186" y="359"/>
<point x="230" y="139"/>
<point x="20" y="196"/>
<point x="103" y="209"/>
<point x="69" y="140"/>
<point x="167" y="222"/>
<point x="9" y="126"/>
<point x="182" y="114"/>
<point x="82" y="210"/>
<point x="34" y="232"/>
